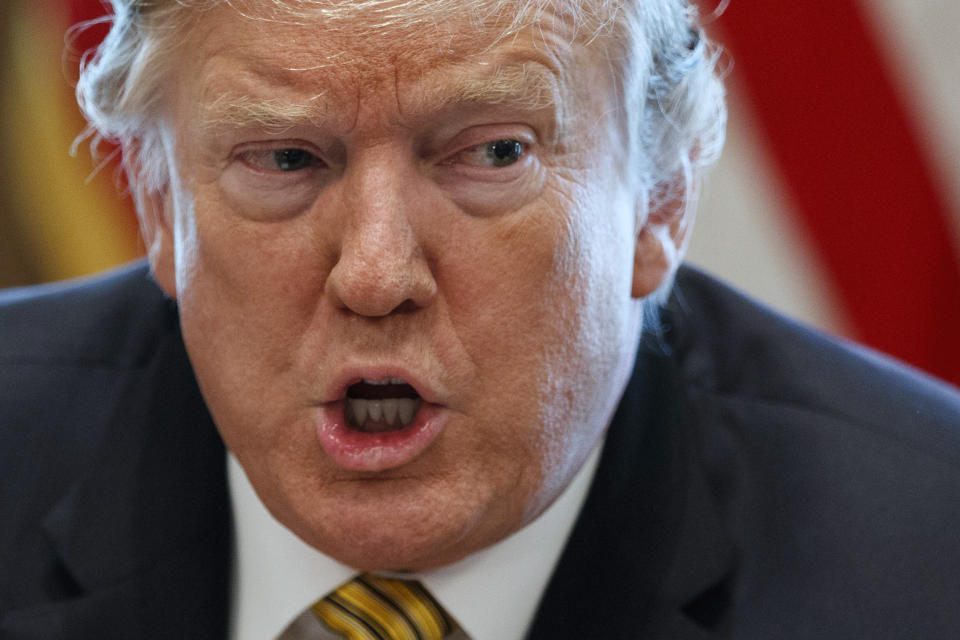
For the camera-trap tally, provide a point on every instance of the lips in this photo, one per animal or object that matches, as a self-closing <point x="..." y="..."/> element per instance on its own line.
<point x="378" y="422"/>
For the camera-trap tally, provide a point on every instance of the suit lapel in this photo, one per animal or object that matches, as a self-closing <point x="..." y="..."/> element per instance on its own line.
<point x="647" y="557"/>
<point x="144" y="537"/>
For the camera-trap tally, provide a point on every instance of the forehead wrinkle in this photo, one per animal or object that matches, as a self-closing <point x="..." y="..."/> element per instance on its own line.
<point x="527" y="85"/>
<point x="238" y="90"/>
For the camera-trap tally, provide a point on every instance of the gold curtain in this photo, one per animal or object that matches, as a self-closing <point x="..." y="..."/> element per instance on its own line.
<point x="56" y="221"/>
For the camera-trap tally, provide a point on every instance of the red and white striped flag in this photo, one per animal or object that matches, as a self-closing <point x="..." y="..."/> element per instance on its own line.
<point x="838" y="197"/>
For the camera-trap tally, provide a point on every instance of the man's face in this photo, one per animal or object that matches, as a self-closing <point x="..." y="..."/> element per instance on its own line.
<point x="411" y="223"/>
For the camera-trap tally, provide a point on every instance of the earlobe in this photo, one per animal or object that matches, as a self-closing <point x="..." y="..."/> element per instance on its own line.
<point x="651" y="262"/>
<point x="661" y="244"/>
<point x="155" y="213"/>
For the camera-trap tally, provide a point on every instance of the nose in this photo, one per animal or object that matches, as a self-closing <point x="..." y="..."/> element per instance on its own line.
<point x="382" y="267"/>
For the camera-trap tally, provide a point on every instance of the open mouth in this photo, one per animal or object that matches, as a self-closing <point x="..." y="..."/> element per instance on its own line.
<point x="380" y="423"/>
<point x="379" y="406"/>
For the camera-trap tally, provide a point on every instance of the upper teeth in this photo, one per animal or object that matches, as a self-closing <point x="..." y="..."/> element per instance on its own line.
<point x="385" y="381"/>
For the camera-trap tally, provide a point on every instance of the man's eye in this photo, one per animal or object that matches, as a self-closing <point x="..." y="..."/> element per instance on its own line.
<point x="497" y="153"/>
<point x="282" y="160"/>
<point x="292" y="159"/>
<point x="503" y="152"/>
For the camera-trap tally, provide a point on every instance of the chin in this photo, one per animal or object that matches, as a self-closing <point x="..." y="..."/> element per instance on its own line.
<point x="395" y="546"/>
<point x="394" y="525"/>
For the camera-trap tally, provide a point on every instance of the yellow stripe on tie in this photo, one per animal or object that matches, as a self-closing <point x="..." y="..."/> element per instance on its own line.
<point x="375" y="611"/>
<point x="375" y="608"/>
<point x="419" y="607"/>
<point x="342" y="622"/>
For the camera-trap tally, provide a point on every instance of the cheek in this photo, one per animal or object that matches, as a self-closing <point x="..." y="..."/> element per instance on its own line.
<point x="542" y="304"/>
<point x="594" y="326"/>
<point x="590" y="309"/>
<point x="555" y="280"/>
<point x="246" y="294"/>
<point x="242" y="264"/>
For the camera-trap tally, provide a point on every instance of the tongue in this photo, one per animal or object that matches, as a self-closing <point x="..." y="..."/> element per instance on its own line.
<point x="377" y="427"/>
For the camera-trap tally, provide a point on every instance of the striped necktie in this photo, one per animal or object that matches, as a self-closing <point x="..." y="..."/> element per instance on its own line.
<point x="375" y="608"/>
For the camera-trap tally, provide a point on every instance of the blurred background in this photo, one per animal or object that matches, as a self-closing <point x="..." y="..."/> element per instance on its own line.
<point x="837" y="200"/>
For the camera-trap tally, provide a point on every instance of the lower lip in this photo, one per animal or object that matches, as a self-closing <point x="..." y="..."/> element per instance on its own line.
<point x="358" y="451"/>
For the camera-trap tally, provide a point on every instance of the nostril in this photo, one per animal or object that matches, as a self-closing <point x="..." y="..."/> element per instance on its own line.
<point x="406" y="306"/>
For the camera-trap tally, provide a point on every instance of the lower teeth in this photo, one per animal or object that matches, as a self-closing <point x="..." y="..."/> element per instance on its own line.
<point x="389" y="414"/>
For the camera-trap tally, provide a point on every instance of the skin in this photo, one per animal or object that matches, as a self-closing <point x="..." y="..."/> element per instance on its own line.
<point x="511" y="292"/>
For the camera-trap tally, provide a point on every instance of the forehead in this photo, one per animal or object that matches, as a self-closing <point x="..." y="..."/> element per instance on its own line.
<point x="444" y="23"/>
<point x="316" y="57"/>
<point x="375" y="31"/>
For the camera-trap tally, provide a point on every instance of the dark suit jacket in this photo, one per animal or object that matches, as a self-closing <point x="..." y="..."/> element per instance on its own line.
<point x="758" y="481"/>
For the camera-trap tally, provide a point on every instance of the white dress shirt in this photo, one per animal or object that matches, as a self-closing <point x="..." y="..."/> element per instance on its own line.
<point x="493" y="594"/>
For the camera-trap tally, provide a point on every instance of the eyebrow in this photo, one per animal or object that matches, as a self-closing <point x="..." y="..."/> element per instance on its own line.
<point x="527" y="86"/>
<point x="274" y="115"/>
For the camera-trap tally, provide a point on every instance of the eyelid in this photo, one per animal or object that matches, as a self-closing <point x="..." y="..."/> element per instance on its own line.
<point x="521" y="134"/>
<point x="479" y="149"/>
<point x="272" y="146"/>
<point x="473" y="140"/>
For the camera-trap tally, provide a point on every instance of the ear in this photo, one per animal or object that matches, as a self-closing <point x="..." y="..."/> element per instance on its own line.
<point x="155" y="212"/>
<point x="662" y="241"/>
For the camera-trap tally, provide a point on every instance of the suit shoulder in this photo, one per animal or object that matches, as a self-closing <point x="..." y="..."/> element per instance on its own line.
<point x="734" y="348"/>
<point x="73" y="357"/>
<point x="835" y="471"/>
<point x="68" y="353"/>
<point x="108" y="320"/>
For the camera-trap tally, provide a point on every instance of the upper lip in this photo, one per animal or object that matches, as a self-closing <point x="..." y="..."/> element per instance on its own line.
<point x="336" y="389"/>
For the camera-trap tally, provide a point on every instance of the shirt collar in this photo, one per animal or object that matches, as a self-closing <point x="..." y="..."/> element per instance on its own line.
<point x="493" y="593"/>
